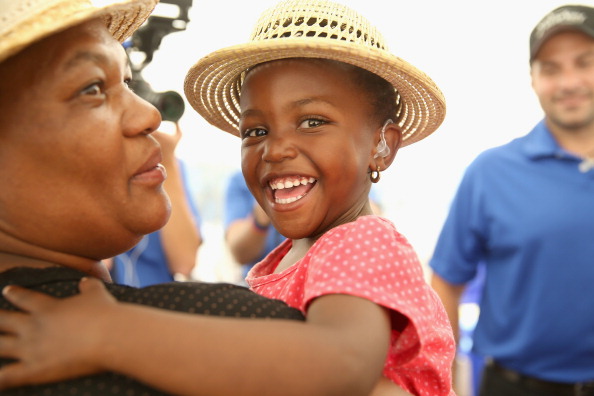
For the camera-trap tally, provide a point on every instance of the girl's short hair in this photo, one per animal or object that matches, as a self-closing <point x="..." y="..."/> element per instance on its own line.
<point x="381" y="94"/>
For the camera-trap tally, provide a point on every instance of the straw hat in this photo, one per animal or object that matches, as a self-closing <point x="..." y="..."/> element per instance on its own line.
<point x="312" y="29"/>
<point x="24" y="22"/>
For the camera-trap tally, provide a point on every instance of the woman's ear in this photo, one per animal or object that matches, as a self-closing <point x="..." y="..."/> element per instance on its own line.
<point x="388" y="139"/>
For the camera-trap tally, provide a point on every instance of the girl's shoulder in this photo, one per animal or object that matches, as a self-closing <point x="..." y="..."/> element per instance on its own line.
<point x="365" y="233"/>
<point x="366" y="221"/>
<point x="375" y="221"/>
<point x="364" y="226"/>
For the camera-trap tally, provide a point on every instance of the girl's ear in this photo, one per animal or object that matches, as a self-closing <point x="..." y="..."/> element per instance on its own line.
<point x="381" y="157"/>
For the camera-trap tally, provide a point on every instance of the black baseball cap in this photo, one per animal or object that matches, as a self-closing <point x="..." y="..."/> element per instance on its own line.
<point x="567" y="17"/>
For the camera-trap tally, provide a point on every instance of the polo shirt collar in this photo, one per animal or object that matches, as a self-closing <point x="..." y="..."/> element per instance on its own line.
<point x="540" y="143"/>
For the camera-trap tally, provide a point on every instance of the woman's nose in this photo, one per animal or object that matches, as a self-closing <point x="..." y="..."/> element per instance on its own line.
<point x="140" y="116"/>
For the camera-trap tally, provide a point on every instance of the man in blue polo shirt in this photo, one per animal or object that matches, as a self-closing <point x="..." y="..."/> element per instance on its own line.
<point x="526" y="210"/>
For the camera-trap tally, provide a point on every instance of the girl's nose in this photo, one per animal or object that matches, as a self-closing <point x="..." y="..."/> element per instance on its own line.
<point x="279" y="147"/>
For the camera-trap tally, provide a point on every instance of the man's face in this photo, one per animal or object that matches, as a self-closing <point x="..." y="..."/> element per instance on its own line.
<point x="80" y="172"/>
<point x="563" y="79"/>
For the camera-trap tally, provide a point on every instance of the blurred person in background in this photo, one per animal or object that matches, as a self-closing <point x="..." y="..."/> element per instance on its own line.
<point x="248" y="232"/>
<point x="526" y="209"/>
<point x="171" y="252"/>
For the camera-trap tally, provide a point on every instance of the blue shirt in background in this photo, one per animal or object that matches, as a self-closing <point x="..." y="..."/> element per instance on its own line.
<point x="526" y="210"/>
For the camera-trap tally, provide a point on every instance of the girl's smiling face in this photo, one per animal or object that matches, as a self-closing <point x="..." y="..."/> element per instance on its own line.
<point x="307" y="144"/>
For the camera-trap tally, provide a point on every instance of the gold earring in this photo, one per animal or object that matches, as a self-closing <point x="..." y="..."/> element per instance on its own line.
<point x="374" y="176"/>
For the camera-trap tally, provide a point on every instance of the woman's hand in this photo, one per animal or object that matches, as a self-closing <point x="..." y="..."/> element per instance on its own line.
<point x="40" y="340"/>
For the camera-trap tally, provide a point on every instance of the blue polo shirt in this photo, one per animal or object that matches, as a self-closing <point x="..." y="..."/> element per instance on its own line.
<point x="526" y="210"/>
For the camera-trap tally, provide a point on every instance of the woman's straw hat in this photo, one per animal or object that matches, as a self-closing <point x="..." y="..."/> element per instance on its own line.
<point x="313" y="29"/>
<point x="24" y="22"/>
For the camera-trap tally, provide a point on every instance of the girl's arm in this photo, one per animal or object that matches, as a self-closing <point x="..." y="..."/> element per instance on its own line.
<point x="339" y="350"/>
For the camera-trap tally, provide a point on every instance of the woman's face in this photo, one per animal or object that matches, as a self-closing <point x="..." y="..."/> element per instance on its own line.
<point x="80" y="172"/>
<point x="305" y="122"/>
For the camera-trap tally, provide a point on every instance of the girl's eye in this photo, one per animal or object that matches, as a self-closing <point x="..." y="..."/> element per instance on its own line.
<point x="311" y="123"/>
<point x="254" y="132"/>
<point x="93" y="89"/>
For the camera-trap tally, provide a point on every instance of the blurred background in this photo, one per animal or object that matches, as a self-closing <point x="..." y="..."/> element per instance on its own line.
<point x="476" y="51"/>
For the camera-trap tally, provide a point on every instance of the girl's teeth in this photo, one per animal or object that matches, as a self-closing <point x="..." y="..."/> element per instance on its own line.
<point x="292" y="183"/>
<point x="288" y="200"/>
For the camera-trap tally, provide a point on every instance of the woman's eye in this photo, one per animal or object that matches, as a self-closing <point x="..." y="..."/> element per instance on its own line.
<point x="311" y="123"/>
<point x="254" y="132"/>
<point x="93" y="89"/>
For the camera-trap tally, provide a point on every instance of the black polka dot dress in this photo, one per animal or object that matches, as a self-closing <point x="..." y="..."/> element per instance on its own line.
<point x="215" y="299"/>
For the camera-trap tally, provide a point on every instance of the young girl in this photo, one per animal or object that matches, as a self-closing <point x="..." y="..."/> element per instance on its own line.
<point x="322" y="108"/>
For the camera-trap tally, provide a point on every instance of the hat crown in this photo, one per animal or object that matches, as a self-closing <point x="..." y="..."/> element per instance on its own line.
<point x="317" y="19"/>
<point x="15" y="12"/>
<point x="23" y="22"/>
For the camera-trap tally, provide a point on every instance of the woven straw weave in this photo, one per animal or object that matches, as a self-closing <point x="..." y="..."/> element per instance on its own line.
<point x="317" y="19"/>
<point x="23" y="22"/>
<point x="312" y="29"/>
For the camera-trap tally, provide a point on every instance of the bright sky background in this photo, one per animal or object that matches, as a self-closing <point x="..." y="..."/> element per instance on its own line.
<point x="475" y="50"/>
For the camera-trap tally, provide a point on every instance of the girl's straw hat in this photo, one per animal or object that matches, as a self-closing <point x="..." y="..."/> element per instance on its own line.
<point x="24" y="22"/>
<point x="313" y="29"/>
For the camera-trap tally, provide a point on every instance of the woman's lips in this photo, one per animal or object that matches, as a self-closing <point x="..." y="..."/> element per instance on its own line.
<point x="151" y="174"/>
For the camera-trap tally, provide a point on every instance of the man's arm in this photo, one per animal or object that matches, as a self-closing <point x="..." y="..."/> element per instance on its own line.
<point x="246" y="237"/>
<point x="180" y="236"/>
<point x="450" y="295"/>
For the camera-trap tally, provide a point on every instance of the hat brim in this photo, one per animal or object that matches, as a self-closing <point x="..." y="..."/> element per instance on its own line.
<point x="122" y="19"/>
<point x="212" y="86"/>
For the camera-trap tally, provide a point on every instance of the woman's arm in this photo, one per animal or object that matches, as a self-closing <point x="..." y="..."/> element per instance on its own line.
<point x="339" y="350"/>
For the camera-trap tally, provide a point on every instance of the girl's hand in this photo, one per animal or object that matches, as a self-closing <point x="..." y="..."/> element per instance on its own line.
<point x="38" y="338"/>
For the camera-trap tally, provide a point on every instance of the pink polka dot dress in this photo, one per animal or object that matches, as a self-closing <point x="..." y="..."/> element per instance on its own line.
<point x="368" y="258"/>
